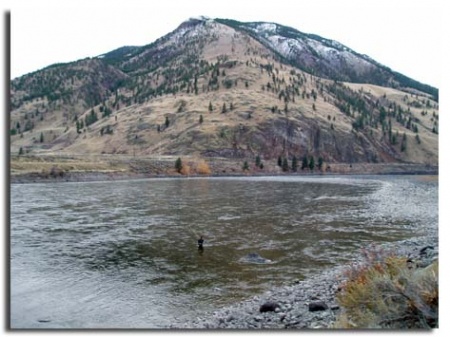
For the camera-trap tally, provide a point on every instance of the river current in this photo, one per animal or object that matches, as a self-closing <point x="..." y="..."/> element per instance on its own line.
<point x="124" y="254"/>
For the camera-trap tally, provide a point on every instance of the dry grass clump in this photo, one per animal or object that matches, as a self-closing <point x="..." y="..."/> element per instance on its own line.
<point x="203" y="167"/>
<point x="387" y="291"/>
<point x="196" y="166"/>
<point x="185" y="170"/>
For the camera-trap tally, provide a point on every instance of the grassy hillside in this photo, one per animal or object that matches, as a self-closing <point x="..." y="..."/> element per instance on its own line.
<point x="216" y="92"/>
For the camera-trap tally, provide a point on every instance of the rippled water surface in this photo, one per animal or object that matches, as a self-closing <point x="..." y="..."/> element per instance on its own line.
<point x="124" y="254"/>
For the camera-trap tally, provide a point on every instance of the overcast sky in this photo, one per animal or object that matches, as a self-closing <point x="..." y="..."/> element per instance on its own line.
<point x="403" y="35"/>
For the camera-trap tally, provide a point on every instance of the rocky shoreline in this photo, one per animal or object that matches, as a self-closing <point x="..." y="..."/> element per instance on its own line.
<point x="306" y="304"/>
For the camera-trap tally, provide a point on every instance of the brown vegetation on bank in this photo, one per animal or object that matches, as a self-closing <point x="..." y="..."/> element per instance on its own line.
<point x="389" y="291"/>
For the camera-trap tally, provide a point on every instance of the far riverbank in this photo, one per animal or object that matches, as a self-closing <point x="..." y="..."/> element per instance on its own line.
<point x="143" y="169"/>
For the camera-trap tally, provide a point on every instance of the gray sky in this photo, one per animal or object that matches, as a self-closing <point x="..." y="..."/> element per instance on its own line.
<point x="403" y="35"/>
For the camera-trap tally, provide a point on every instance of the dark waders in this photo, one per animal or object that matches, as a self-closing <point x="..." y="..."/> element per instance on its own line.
<point x="200" y="243"/>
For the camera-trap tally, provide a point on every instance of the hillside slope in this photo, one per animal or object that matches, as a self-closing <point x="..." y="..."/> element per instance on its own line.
<point x="218" y="88"/>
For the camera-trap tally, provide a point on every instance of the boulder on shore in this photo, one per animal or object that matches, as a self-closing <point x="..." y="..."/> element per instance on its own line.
<point x="268" y="306"/>
<point x="317" y="306"/>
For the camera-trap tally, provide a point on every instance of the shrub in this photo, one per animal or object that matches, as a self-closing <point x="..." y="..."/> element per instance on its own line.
<point x="185" y="170"/>
<point x="385" y="291"/>
<point x="203" y="168"/>
<point x="228" y="83"/>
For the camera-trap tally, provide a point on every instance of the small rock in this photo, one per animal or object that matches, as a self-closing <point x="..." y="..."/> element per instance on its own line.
<point x="334" y="307"/>
<point x="268" y="306"/>
<point x="291" y="325"/>
<point x="318" y="325"/>
<point x="423" y="251"/>
<point x="317" y="306"/>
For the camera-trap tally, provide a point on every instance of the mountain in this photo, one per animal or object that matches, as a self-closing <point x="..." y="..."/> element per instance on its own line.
<point x="325" y="58"/>
<point x="226" y="89"/>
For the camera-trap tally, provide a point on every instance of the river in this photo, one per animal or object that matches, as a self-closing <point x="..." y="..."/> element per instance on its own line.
<point x="124" y="254"/>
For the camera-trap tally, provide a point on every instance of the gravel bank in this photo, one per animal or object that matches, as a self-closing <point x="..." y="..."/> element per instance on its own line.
<point x="307" y="304"/>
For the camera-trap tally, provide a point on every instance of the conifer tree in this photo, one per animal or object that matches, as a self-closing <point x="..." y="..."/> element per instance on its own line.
<point x="178" y="165"/>
<point x="311" y="163"/>
<point x="167" y="122"/>
<point x="258" y="161"/>
<point x="320" y="163"/>
<point x="294" y="164"/>
<point x="403" y="145"/>
<point x="418" y="139"/>
<point x="285" y="165"/>
<point x="304" y="162"/>
<point x="245" y="167"/>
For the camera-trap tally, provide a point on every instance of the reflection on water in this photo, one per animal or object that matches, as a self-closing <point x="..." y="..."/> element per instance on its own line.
<point x="125" y="254"/>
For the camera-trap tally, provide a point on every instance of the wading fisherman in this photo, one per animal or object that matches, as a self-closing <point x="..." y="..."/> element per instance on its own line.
<point x="200" y="243"/>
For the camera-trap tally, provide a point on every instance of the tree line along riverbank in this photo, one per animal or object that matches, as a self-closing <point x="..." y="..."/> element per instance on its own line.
<point x="31" y="169"/>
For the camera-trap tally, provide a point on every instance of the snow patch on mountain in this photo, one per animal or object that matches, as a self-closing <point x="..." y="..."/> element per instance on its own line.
<point x="321" y="49"/>
<point x="200" y="18"/>
<point x="266" y="27"/>
<point x="191" y="28"/>
<point x="310" y="48"/>
<point x="285" y="46"/>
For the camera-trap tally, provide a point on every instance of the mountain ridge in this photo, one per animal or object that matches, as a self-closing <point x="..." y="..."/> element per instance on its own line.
<point x="293" y="34"/>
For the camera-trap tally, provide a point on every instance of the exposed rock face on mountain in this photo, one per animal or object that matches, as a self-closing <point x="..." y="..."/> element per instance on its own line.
<point x="222" y="88"/>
